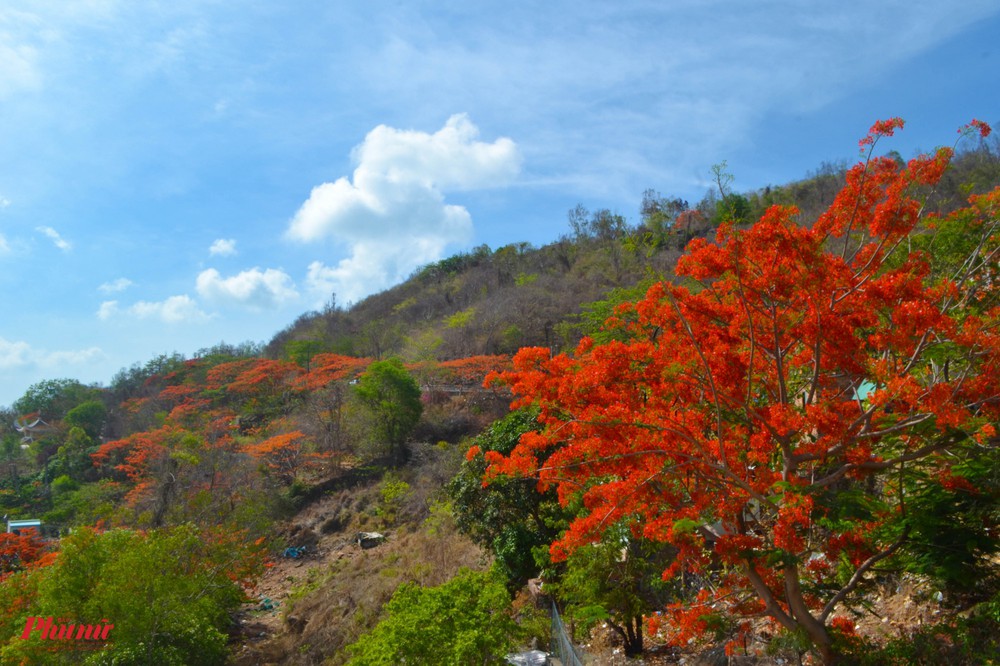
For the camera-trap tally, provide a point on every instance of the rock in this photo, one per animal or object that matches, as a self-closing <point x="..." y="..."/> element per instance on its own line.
<point x="296" y="624"/>
<point x="369" y="539"/>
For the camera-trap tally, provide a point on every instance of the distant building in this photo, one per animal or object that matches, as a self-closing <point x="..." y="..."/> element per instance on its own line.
<point x="15" y="525"/>
<point x="29" y="428"/>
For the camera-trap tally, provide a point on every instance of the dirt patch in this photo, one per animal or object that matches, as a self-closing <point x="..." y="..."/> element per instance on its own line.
<point x="265" y="617"/>
<point x="309" y="608"/>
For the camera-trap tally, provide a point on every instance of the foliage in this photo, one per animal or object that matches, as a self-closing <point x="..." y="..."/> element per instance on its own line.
<point x="53" y="398"/>
<point x="393" y="492"/>
<point x="73" y="457"/>
<point x="265" y="387"/>
<point x="18" y="551"/>
<point x="953" y="520"/>
<point x="12" y="456"/>
<point x="594" y="315"/>
<point x="285" y="455"/>
<point x="731" y="208"/>
<point x="86" y="504"/>
<point x="728" y="423"/>
<point x="464" y="621"/>
<point x="329" y="368"/>
<point x="391" y="397"/>
<point x="302" y="352"/>
<point x="472" y="370"/>
<point x="616" y="580"/>
<point x="89" y="416"/>
<point x="658" y="216"/>
<point x="168" y="593"/>
<point x="510" y="517"/>
<point x="601" y="224"/>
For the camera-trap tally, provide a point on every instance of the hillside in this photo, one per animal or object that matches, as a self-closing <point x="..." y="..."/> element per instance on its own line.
<point x="495" y="301"/>
<point x="677" y="438"/>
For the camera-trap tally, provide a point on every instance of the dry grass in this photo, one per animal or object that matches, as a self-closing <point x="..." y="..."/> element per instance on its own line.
<point x="337" y="593"/>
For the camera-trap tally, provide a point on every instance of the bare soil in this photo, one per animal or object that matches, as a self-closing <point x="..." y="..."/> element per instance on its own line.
<point x="307" y="610"/>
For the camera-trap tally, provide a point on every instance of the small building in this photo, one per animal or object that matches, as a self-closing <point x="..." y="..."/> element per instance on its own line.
<point x="15" y="526"/>
<point x="29" y="428"/>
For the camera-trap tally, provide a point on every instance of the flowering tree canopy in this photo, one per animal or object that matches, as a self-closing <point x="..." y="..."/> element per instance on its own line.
<point x="768" y="413"/>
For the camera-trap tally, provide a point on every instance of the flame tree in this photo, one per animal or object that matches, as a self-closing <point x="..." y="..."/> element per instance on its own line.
<point x="769" y="413"/>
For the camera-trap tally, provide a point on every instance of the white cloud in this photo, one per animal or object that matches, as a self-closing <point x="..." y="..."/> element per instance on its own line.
<point x="21" y="355"/>
<point x="223" y="247"/>
<point x="372" y="264"/>
<point x="173" y="310"/>
<point x="253" y="289"/>
<point x="56" y="239"/>
<point x="18" y="67"/>
<point x="392" y="214"/>
<point x="107" y="310"/>
<point x="115" y="286"/>
<point x="14" y="354"/>
<point x="74" y="357"/>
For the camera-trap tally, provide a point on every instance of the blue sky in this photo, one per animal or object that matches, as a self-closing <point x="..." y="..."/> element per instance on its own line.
<point x="175" y="174"/>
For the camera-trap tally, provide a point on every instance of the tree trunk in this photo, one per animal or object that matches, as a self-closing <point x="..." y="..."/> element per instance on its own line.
<point x="815" y="629"/>
<point x="631" y="634"/>
<point x="634" y="644"/>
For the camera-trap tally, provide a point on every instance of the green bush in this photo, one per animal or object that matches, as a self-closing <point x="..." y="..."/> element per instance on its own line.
<point x="465" y="621"/>
<point x="168" y="593"/>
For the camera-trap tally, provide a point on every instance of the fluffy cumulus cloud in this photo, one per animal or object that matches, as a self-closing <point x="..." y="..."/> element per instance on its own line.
<point x="223" y="247"/>
<point x="392" y="213"/>
<point x="253" y="289"/>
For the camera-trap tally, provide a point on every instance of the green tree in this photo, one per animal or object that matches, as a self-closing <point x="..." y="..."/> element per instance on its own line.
<point x="90" y="416"/>
<point x="733" y="208"/>
<point x="658" y="216"/>
<point x="601" y="224"/>
<point x="510" y="517"/>
<point x="75" y="504"/>
<point x="953" y="526"/>
<point x="464" y="621"/>
<point x="303" y="351"/>
<point x="53" y="398"/>
<point x="13" y="457"/>
<point x="73" y="456"/>
<point x="391" y="396"/>
<point x="616" y="580"/>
